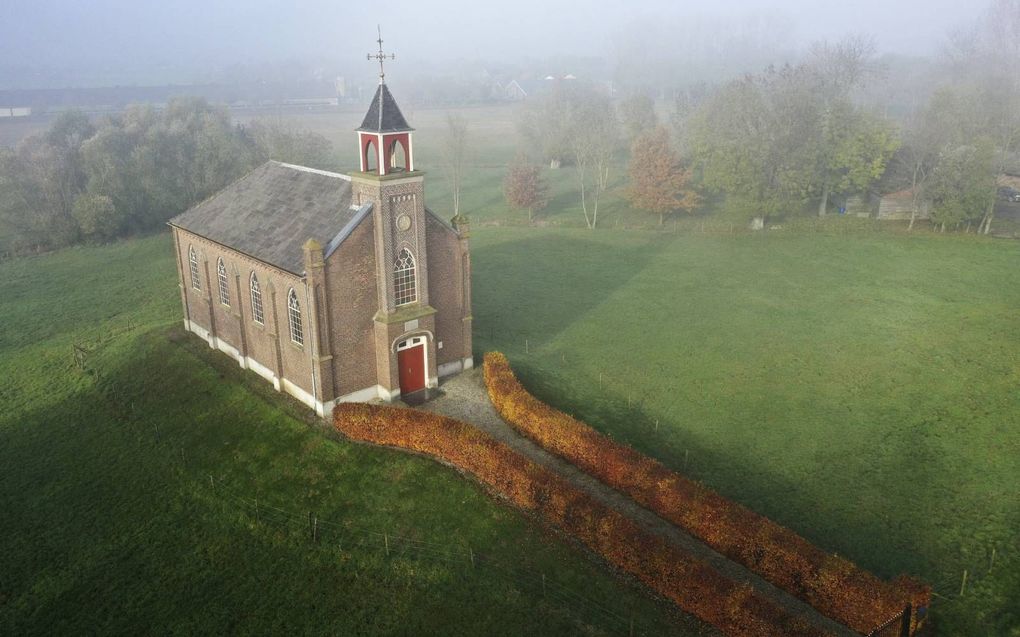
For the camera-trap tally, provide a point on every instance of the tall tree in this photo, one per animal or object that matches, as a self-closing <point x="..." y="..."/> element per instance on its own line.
<point x="594" y="135"/>
<point x="275" y="138"/>
<point x="940" y="126"/>
<point x="543" y="122"/>
<point x="963" y="184"/>
<point x="853" y="149"/>
<point x="637" y="113"/>
<point x="658" y="181"/>
<point x="751" y="141"/>
<point x="523" y="186"/>
<point x="454" y="151"/>
<point x="985" y="59"/>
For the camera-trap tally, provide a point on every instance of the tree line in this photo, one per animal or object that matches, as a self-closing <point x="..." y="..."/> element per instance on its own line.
<point x="128" y="173"/>
<point x="793" y="138"/>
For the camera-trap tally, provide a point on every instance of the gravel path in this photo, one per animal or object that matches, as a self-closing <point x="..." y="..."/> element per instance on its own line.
<point x="464" y="398"/>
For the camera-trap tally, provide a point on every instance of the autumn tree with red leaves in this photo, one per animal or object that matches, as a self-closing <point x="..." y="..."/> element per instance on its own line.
<point x="658" y="181"/>
<point x="524" y="187"/>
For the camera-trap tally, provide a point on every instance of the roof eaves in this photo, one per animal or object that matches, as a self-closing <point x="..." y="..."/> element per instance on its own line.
<point x="446" y="224"/>
<point x="269" y="264"/>
<point x="346" y="231"/>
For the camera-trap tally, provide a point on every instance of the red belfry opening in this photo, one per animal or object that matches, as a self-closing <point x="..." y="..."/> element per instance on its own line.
<point x="411" y="361"/>
<point x="384" y="135"/>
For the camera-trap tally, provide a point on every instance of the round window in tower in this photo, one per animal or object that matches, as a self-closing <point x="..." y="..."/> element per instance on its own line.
<point x="403" y="223"/>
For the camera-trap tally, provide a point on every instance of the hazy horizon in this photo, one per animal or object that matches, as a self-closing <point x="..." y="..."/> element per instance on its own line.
<point x="112" y="41"/>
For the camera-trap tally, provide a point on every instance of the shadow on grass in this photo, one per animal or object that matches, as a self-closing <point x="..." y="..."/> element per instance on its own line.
<point x="536" y="287"/>
<point x="895" y="547"/>
<point x="112" y="524"/>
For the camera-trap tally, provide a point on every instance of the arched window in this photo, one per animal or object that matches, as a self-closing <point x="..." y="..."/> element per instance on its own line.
<point x="196" y="281"/>
<point x="221" y="276"/>
<point x="371" y="157"/>
<point x="294" y="314"/>
<point x="404" y="289"/>
<point x="398" y="156"/>
<point x="256" y="300"/>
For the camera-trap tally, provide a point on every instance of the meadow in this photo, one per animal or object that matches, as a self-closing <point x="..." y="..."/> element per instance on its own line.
<point x="129" y="489"/>
<point x="852" y="381"/>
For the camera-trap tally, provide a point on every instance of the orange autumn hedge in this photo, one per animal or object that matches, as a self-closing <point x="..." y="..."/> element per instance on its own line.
<point x="833" y="585"/>
<point x="689" y="582"/>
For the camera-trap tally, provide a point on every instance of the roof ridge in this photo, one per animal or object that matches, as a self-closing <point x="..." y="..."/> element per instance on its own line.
<point x="316" y="171"/>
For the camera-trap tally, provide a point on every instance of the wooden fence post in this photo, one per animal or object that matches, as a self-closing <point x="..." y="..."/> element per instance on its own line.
<point x="905" y="625"/>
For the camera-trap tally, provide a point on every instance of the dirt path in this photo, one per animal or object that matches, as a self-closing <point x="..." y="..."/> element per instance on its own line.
<point x="465" y="399"/>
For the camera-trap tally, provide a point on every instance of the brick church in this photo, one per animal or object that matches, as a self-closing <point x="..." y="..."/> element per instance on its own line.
<point x="333" y="287"/>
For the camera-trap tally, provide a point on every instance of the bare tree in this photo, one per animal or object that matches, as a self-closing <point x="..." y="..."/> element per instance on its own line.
<point x="594" y="139"/>
<point x="454" y="152"/>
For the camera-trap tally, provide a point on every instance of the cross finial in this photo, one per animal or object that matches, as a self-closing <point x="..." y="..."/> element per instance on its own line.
<point x="381" y="56"/>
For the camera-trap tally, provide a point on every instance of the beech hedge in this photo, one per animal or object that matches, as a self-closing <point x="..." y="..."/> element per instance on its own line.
<point x="693" y="585"/>
<point x="834" y="586"/>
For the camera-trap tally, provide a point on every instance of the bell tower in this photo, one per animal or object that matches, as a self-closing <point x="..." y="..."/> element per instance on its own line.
<point x="384" y="136"/>
<point x="396" y="190"/>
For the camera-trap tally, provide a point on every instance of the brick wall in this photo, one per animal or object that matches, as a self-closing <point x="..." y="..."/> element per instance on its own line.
<point x="351" y="287"/>
<point x="269" y="344"/>
<point x="446" y="285"/>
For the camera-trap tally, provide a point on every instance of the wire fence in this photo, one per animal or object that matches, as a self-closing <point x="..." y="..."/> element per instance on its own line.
<point x="348" y="537"/>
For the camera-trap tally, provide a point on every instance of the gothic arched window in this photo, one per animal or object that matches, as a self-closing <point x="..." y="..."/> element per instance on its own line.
<point x="256" y="300"/>
<point x="196" y="281"/>
<point x="221" y="277"/>
<point x="294" y="314"/>
<point x="404" y="289"/>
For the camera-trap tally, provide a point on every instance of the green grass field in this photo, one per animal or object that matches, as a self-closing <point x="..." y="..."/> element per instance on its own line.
<point x="122" y="487"/>
<point x="862" y="389"/>
<point x="859" y="385"/>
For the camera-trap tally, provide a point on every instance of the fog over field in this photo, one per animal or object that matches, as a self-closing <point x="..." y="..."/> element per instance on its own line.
<point x="105" y="42"/>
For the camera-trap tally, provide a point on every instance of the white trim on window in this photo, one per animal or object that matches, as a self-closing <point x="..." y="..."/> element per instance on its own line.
<point x="196" y="280"/>
<point x="297" y="334"/>
<point x="221" y="279"/>
<point x="257" y="313"/>
<point x="405" y="290"/>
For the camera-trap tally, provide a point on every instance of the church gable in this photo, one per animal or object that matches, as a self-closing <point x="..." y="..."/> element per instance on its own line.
<point x="269" y="213"/>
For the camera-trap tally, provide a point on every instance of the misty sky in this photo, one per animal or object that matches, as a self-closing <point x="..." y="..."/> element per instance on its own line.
<point x="195" y="34"/>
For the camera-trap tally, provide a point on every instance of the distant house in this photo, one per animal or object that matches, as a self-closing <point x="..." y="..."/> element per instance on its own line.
<point x="1008" y="181"/>
<point x="519" y="90"/>
<point x="17" y="111"/>
<point x="899" y="206"/>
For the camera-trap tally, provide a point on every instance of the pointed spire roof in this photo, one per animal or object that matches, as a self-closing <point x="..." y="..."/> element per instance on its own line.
<point x="383" y="114"/>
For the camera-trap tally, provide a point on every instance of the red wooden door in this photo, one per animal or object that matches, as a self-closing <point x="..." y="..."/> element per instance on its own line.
<point x="412" y="369"/>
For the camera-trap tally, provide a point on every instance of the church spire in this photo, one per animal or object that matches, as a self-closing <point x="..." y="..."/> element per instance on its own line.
<point x="384" y="135"/>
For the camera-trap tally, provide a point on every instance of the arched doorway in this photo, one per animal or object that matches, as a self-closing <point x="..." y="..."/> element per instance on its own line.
<point x="412" y="362"/>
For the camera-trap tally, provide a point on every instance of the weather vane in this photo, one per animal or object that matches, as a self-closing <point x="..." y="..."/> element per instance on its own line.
<point x="381" y="56"/>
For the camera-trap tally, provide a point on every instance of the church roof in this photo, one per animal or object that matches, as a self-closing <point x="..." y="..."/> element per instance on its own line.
<point x="383" y="114"/>
<point x="272" y="211"/>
